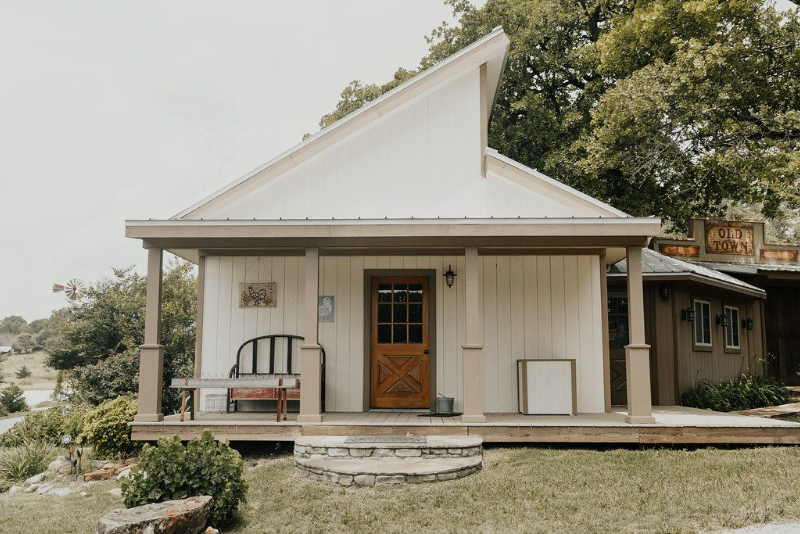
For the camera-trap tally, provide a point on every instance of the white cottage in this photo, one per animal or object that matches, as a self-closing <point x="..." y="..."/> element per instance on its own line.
<point x="347" y="241"/>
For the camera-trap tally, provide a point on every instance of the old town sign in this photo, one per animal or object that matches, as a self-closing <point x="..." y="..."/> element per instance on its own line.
<point x="730" y="237"/>
<point x="720" y="240"/>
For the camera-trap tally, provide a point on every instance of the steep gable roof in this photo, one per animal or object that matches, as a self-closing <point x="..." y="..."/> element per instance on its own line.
<point x="491" y="49"/>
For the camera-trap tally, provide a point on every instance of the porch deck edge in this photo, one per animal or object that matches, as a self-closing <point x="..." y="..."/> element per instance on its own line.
<point x="589" y="434"/>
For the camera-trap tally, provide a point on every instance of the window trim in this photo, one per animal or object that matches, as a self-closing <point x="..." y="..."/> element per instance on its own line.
<point x="700" y="345"/>
<point x="732" y="324"/>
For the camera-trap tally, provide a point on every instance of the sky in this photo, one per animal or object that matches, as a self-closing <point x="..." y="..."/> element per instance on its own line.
<point x="136" y="109"/>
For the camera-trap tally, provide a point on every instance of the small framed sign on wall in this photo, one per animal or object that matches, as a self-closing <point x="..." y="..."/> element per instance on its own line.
<point x="327" y="308"/>
<point x="257" y="295"/>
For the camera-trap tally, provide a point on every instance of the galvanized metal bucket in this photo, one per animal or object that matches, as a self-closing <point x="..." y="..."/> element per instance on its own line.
<point x="444" y="404"/>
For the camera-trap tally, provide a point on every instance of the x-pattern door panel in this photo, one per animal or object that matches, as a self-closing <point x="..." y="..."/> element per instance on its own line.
<point x="400" y="357"/>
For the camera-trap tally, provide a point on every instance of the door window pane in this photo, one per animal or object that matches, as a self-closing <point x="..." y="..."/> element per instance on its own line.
<point x="415" y="333"/>
<point x="415" y="292"/>
<point x="400" y="293"/>
<point x="385" y="293"/>
<point x="384" y="333"/>
<point x="384" y="313"/>
<point x="415" y="313"/>
<point x="399" y="334"/>
<point x="400" y="313"/>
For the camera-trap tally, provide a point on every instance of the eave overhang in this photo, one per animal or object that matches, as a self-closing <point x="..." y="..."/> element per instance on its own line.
<point x="401" y="233"/>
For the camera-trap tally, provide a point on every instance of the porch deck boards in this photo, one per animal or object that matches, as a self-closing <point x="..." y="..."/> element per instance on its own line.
<point x="675" y="424"/>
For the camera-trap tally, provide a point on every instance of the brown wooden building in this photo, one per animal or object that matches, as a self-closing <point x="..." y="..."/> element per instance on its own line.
<point x="740" y="249"/>
<point x="701" y="324"/>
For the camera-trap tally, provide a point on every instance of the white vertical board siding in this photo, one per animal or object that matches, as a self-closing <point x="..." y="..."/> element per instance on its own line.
<point x="535" y="307"/>
<point x="421" y="160"/>
<point x="228" y="325"/>
<point x="541" y="307"/>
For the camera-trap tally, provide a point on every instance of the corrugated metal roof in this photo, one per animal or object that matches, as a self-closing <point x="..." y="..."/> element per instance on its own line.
<point x="654" y="263"/>
<point x="747" y="268"/>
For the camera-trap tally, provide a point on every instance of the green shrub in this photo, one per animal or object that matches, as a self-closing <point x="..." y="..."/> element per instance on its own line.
<point x="47" y="426"/>
<point x="12" y="400"/>
<point x="742" y="393"/>
<point x="116" y="376"/>
<point x="106" y="428"/>
<point x="19" y="463"/>
<point x="204" y="466"/>
<point x="23" y="372"/>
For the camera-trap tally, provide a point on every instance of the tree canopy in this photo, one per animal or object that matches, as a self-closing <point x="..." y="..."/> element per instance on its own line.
<point x="109" y="322"/>
<point x="660" y="107"/>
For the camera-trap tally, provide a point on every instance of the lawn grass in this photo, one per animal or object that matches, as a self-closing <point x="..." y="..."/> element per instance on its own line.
<point x="42" y="377"/>
<point x="519" y="490"/>
<point x="546" y="490"/>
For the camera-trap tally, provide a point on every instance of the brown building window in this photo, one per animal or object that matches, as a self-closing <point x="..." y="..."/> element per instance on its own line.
<point x="702" y="323"/>
<point x="732" y="330"/>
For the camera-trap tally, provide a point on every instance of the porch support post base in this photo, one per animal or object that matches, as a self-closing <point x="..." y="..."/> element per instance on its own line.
<point x="473" y="418"/>
<point x="640" y="419"/>
<point x="309" y="418"/>
<point x="472" y="365"/>
<point x="310" y="384"/>
<point x="151" y="375"/>
<point x="637" y="362"/>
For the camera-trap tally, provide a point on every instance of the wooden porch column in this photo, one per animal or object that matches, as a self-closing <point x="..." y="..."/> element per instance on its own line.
<point x="472" y="350"/>
<point x="310" y="350"/>
<point x="198" y="331"/>
<point x="637" y="353"/>
<point x="151" y="360"/>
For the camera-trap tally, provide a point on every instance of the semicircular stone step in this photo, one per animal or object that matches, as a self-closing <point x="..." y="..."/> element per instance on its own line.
<point x="379" y="460"/>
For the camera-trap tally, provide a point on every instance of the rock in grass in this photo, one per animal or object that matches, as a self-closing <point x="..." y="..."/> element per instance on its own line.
<point x="187" y="516"/>
<point x="103" y="474"/>
<point x="34" y="479"/>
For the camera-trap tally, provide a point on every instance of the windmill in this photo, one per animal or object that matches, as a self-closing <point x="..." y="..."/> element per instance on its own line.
<point x="74" y="290"/>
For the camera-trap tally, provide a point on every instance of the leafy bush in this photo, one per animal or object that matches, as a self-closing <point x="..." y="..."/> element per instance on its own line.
<point x="23" y="372"/>
<point x="12" y="400"/>
<point x="113" y="377"/>
<point x="204" y="466"/>
<point x="19" y="463"/>
<point x="106" y="428"/>
<point x="742" y="393"/>
<point x="46" y="426"/>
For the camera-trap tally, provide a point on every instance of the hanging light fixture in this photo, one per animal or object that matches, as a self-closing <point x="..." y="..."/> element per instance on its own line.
<point x="449" y="276"/>
<point x="748" y="323"/>
<point x="687" y="315"/>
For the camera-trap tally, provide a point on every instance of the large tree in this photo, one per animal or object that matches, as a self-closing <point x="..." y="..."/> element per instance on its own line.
<point x="662" y="107"/>
<point x="110" y="322"/>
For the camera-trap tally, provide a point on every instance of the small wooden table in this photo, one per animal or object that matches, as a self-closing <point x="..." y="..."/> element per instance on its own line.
<point x="193" y="384"/>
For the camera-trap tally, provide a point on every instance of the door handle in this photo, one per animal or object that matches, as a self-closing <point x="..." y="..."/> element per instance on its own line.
<point x="426" y="351"/>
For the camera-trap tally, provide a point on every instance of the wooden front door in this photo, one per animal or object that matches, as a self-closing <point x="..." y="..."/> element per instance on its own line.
<point x="400" y="362"/>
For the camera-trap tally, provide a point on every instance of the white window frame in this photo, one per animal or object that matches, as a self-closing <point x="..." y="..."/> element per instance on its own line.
<point x="698" y="317"/>
<point x="731" y="325"/>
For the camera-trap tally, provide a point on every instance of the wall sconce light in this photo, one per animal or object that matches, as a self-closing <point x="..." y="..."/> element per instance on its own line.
<point x="687" y="315"/>
<point x="748" y="323"/>
<point x="722" y="320"/>
<point x="663" y="291"/>
<point x="449" y="276"/>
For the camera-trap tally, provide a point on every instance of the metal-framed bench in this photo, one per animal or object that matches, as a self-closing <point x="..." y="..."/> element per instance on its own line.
<point x="278" y="392"/>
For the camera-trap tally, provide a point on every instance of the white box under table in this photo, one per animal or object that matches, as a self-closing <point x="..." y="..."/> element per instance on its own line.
<point x="547" y="387"/>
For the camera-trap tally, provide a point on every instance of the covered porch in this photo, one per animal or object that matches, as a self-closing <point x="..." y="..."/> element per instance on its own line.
<point x="522" y="289"/>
